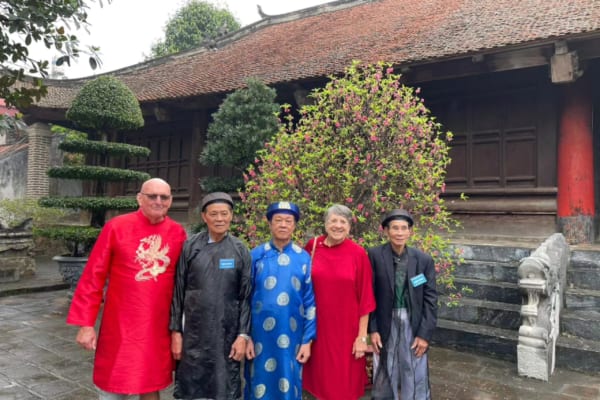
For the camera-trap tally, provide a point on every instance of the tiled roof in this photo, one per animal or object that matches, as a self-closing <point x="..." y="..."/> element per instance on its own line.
<point x="4" y="110"/>
<point x="326" y="40"/>
<point x="12" y="148"/>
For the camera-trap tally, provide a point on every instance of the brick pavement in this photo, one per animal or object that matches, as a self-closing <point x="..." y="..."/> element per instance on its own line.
<point x="40" y="360"/>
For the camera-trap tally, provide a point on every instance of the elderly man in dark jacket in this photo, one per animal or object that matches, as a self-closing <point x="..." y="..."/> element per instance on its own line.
<point x="210" y="312"/>
<point x="402" y="325"/>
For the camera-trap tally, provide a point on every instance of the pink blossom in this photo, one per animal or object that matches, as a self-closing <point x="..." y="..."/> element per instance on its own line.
<point x="360" y="207"/>
<point x="349" y="200"/>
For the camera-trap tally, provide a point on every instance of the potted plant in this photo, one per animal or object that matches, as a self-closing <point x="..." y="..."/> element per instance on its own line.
<point x="103" y="108"/>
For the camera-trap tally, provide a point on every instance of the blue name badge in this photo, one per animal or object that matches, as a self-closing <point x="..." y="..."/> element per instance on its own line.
<point x="418" y="280"/>
<point x="226" y="263"/>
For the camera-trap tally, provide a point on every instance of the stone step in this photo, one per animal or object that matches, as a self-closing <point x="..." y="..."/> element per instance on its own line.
<point x="488" y="270"/>
<point x="497" y="342"/>
<point x="490" y="313"/>
<point x="584" y="270"/>
<point x="582" y="299"/>
<point x="502" y="292"/>
<point x="578" y="354"/>
<point x="583" y="278"/>
<point x="572" y="353"/>
<point x="491" y="252"/>
<point x="586" y="259"/>
<point x="584" y="324"/>
<point x="9" y="274"/>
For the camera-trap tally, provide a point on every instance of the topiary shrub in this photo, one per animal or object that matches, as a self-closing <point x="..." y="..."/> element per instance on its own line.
<point x="106" y="105"/>
<point x="367" y="142"/>
<point x="246" y="119"/>
<point x="103" y="107"/>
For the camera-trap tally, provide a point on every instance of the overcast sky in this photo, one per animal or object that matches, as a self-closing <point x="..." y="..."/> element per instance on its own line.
<point x="125" y="29"/>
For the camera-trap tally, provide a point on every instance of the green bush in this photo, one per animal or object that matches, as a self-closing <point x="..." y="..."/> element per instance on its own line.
<point x="246" y="119"/>
<point x="106" y="104"/>
<point x="15" y="211"/>
<point x="90" y="203"/>
<point x="105" y="174"/>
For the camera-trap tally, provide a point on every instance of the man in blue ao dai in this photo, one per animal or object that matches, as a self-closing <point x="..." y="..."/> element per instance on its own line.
<point x="283" y="311"/>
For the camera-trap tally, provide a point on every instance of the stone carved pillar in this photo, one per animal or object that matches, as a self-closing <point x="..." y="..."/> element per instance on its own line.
<point x="542" y="279"/>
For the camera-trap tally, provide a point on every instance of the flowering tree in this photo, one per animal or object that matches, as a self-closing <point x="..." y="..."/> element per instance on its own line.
<point x="367" y="142"/>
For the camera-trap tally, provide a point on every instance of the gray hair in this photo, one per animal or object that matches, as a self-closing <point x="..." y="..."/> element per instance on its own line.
<point x="339" y="209"/>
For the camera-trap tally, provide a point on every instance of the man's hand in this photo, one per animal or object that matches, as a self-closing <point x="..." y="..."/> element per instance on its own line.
<point x="420" y="346"/>
<point x="176" y="344"/>
<point x="86" y="337"/>
<point x="376" y="341"/>
<point x="250" y="354"/>
<point x="304" y="353"/>
<point x="238" y="349"/>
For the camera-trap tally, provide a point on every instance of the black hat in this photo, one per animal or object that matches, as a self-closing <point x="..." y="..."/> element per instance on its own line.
<point x="397" y="214"/>
<point x="283" y="207"/>
<point x="216" y="197"/>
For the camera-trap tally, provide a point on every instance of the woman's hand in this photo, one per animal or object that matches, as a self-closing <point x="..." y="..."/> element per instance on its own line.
<point x="359" y="348"/>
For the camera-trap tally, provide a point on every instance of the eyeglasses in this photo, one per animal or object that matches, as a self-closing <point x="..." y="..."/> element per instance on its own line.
<point x="163" y="197"/>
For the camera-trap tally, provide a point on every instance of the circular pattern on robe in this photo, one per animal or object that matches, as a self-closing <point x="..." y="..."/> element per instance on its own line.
<point x="258" y="347"/>
<point x="283" y="260"/>
<point x="283" y="341"/>
<point x="270" y="365"/>
<point x="269" y="324"/>
<point x="259" y="267"/>
<point x="308" y="279"/>
<point x="284" y="385"/>
<point x="270" y="282"/>
<point x="283" y="299"/>
<point x="259" y="391"/>
<point x="267" y="246"/>
<point x="304" y="268"/>
<point x="296" y="283"/>
<point x="296" y="248"/>
<point x="293" y="324"/>
<point x="311" y="313"/>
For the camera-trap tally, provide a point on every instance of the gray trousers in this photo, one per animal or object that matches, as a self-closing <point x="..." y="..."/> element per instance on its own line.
<point x="396" y="366"/>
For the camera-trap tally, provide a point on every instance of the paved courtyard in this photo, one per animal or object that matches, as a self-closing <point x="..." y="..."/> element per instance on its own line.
<point x="40" y="360"/>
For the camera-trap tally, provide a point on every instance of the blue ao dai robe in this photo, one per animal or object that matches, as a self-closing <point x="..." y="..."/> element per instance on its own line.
<point x="283" y="318"/>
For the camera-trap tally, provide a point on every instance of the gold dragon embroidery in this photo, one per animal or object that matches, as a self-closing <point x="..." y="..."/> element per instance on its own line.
<point x="153" y="259"/>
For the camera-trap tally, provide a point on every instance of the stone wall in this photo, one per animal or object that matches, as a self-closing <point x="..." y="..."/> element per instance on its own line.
<point x="13" y="171"/>
<point x="23" y="166"/>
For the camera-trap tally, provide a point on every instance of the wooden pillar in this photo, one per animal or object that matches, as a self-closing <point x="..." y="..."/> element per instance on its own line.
<point x="575" y="199"/>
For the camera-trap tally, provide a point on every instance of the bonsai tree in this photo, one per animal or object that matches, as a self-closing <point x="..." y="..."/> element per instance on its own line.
<point x="103" y="107"/>
<point x="367" y="142"/>
<point x="246" y="119"/>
